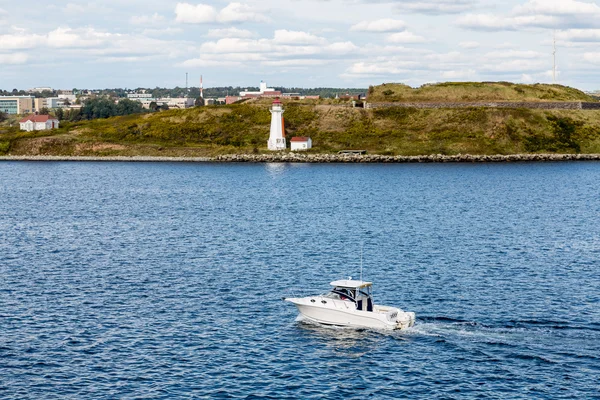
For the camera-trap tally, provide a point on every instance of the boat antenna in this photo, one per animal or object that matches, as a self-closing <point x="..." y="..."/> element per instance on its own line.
<point x="361" y="260"/>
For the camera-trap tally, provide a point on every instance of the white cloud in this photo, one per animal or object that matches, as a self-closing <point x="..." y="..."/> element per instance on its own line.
<point x="204" y="13"/>
<point x="469" y="45"/>
<point x="458" y="74"/>
<point x="286" y="48"/>
<point x="72" y="8"/>
<point x="14" y="58"/>
<point x="161" y="31"/>
<point x="490" y="22"/>
<point x="20" y="41"/>
<point x="579" y="35"/>
<point x="516" y="66"/>
<point x="67" y="37"/>
<point x="296" y="37"/>
<point x="526" y="78"/>
<point x="594" y="58"/>
<point x="341" y="48"/>
<point x="557" y="7"/>
<point x="549" y="14"/>
<point x="514" y="54"/>
<point x="436" y="7"/>
<point x="147" y="19"/>
<point x="195" y="14"/>
<point x="238" y="12"/>
<point x="380" y="25"/>
<point x="405" y="37"/>
<point x="230" y="33"/>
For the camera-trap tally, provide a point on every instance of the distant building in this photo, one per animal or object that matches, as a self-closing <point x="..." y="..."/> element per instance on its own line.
<point x="70" y="97"/>
<point x="300" y="143"/>
<point x="40" y="103"/>
<point x="16" y="104"/>
<point x="171" y="102"/>
<point x="40" y="89"/>
<point x="55" y="102"/>
<point x="232" y="99"/>
<point x="136" y="96"/>
<point x="38" y="123"/>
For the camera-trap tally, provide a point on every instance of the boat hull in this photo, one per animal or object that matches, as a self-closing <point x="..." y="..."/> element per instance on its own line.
<point x="344" y="313"/>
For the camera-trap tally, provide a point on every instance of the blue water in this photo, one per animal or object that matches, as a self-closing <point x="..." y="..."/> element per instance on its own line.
<point x="165" y="280"/>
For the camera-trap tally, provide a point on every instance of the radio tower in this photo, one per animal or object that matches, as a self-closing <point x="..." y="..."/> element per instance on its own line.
<point x="201" y="87"/>
<point x="554" y="60"/>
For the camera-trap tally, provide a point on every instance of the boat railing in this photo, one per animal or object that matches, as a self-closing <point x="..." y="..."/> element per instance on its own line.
<point x="305" y="292"/>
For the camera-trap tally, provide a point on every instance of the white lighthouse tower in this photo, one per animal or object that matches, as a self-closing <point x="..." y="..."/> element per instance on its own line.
<point x="277" y="137"/>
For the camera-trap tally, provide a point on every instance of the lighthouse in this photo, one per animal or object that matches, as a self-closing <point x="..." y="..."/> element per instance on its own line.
<point x="277" y="137"/>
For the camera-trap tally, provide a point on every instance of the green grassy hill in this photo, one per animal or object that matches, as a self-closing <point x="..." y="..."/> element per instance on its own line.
<point x="475" y="91"/>
<point x="244" y="128"/>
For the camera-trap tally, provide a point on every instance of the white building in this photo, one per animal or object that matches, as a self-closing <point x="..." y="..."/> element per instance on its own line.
<point x="70" y="97"/>
<point x="300" y="143"/>
<point x="171" y="102"/>
<point x="38" y="123"/>
<point x="277" y="136"/>
<point x="55" y="102"/>
<point x="40" y="89"/>
<point x="136" y="96"/>
<point x="263" y="88"/>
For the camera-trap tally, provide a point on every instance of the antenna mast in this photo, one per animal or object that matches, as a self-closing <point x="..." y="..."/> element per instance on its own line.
<point x="361" y="260"/>
<point x="201" y="87"/>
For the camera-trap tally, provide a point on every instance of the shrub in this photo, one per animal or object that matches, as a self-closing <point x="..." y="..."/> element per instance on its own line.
<point x="4" y="147"/>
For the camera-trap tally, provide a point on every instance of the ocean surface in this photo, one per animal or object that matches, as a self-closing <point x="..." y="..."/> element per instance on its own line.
<point x="164" y="280"/>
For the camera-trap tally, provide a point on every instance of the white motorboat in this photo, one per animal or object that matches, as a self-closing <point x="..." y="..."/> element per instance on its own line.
<point x="350" y="303"/>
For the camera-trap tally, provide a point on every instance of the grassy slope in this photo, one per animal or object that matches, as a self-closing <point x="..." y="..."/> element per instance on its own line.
<point x="476" y="91"/>
<point x="244" y="128"/>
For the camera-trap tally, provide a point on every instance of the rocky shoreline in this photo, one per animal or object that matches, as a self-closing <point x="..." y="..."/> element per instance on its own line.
<point x="323" y="158"/>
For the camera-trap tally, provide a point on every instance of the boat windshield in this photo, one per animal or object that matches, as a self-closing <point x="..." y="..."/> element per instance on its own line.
<point x="339" y="293"/>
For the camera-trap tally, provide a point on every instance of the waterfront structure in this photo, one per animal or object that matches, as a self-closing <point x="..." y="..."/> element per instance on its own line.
<point x="16" y="104"/>
<point x="300" y="143"/>
<point x="38" y="123"/>
<point x="277" y="137"/>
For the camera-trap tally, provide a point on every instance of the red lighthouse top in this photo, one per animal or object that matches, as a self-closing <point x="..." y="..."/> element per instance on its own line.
<point x="277" y="101"/>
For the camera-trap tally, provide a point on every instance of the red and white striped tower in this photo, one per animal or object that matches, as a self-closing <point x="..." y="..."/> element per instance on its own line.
<point x="201" y="87"/>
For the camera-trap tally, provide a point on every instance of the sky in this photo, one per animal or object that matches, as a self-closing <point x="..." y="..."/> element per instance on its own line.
<point x="296" y="43"/>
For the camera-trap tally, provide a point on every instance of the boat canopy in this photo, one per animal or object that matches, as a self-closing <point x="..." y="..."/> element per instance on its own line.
<point x="352" y="284"/>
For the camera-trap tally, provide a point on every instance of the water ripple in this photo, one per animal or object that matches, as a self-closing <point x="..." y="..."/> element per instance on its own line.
<point x="165" y="280"/>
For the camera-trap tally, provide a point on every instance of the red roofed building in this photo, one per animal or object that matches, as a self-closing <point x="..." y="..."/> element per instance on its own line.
<point x="300" y="143"/>
<point x="38" y="123"/>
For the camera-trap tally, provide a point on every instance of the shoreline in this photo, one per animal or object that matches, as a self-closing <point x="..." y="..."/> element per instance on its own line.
<point x="320" y="158"/>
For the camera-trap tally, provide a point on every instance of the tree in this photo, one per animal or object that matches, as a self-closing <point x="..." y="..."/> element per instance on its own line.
<point x="59" y="113"/>
<point x="199" y="102"/>
<point x="3" y="116"/>
<point x="153" y="106"/>
<point x="44" y="111"/>
<point x="164" y="107"/>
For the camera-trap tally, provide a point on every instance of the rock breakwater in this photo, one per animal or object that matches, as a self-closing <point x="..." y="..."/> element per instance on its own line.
<point x="325" y="158"/>
<point x="375" y="158"/>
